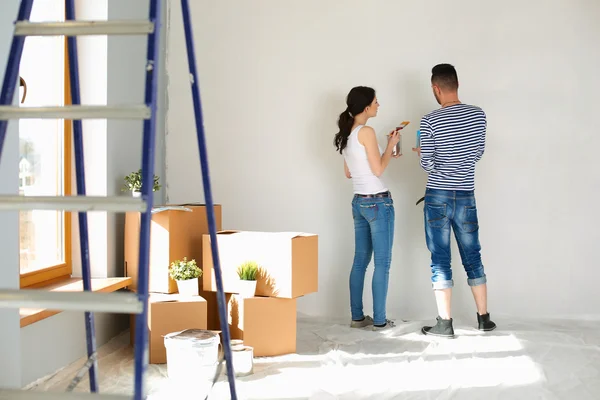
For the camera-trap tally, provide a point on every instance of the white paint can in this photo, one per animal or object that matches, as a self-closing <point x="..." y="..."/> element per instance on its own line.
<point x="243" y="360"/>
<point x="192" y="358"/>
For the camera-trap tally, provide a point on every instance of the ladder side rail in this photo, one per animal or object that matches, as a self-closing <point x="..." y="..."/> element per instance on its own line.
<point x="148" y="159"/>
<point x="90" y="329"/>
<point x="208" y="198"/>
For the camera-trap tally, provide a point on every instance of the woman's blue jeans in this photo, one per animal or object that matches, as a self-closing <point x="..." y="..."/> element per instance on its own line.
<point x="374" y="233"/>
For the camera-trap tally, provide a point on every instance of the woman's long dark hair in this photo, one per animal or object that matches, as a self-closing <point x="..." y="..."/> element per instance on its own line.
<point x="358" y="99"/>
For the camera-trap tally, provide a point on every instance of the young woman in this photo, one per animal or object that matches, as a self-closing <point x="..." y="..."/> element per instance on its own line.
<point x="372" y="205"/>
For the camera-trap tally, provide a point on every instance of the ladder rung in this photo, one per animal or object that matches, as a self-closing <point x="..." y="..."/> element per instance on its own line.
<point x="76" y="112"/>
<point x="77" y="28"/>
<point x="118" y="302"/>
<point x="73" y="203"/>
<point x="31" y="395"/>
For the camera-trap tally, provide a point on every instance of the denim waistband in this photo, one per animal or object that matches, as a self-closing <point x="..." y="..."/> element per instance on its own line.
<point x="452" y="194"/>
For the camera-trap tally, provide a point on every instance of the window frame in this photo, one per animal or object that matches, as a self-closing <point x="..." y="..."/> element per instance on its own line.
<point x="54" y="273"/>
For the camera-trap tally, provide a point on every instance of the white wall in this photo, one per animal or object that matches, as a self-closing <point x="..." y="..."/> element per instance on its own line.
<point x="275" y="72"/>
<point x="126" y="85"/>
<point x="10" y="363"/>
<point x="113" y="72"/>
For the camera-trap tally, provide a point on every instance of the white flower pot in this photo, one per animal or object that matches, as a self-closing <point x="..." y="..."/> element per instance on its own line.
<point x="136" y="194"/>
<point x="247" y="289"/>
<point x="189" y="287"/>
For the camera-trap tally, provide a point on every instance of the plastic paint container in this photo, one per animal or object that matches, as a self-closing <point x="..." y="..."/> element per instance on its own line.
<point x="243" y="360"/>
<point x="192" y="357"/>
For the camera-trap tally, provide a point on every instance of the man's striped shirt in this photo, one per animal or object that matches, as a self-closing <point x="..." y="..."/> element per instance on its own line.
<point x="452" y="141"/>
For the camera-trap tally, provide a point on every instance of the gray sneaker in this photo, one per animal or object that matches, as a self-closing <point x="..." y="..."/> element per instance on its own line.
<point x="367" y="321"/>
<point x="388" y="324"/>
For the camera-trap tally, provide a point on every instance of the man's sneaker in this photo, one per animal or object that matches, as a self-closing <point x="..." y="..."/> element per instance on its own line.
<point x="363" y="323"/>
<point x="443" y="328"/>
<point x="485" y="324"/>
<point x="388" y="324"/>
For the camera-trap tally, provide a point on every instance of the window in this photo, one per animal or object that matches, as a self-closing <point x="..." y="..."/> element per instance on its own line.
<point x="44" y="153"/>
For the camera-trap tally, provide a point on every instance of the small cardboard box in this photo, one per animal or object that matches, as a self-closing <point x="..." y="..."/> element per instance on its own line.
<point x="267" y="324"/>
<point x="288" y="261"/>
<point x="167" y="314"/>
<point x="176" y="232"/>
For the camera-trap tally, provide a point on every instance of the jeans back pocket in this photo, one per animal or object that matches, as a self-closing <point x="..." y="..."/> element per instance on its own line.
<point x="369" y="211"/>
<point x="436" y="215"/>
<point x="471" y="222"/>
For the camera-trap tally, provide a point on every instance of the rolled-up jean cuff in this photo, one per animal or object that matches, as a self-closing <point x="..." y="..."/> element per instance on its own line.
<point x="439" y="285"/>
<point x="477" y="281"/>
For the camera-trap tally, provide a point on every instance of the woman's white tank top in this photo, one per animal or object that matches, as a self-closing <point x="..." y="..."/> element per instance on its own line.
<point x="363" y="179"/>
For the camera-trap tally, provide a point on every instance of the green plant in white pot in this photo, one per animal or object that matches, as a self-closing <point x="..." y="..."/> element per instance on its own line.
<point x="247" y="273"/>
<point x="133" y="183"/>
<point x="186" y="274"/>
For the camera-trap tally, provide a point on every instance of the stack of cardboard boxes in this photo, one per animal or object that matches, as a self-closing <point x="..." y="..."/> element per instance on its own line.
<point x="288" y="270"/>
<point x="176" y="232"/>
<point x="267" y="322"/>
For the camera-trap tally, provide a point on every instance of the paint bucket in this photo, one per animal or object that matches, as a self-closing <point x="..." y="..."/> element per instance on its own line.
<point x="243" y="360"/>
<point x="236" y="344"/>
<point x="192" y="358"/>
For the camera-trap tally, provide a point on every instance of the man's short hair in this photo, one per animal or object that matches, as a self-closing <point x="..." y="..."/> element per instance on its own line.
<point x="444" y="76"/>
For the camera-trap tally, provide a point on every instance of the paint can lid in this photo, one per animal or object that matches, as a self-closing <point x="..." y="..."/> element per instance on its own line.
<point x="194" y="336"/>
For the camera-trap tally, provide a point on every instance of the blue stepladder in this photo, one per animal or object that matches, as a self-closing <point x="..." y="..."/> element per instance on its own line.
<point x="87" y="300"/>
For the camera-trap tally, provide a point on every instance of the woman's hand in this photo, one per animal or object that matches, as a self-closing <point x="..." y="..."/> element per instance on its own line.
<point x="393" y="139"/>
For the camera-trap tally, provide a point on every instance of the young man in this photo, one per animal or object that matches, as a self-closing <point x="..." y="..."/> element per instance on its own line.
<point x="452" y="141"/>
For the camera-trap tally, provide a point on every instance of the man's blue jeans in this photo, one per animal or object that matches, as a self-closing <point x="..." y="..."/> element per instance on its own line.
<point x="374" y="233"/>
<point x="445" y="209"/>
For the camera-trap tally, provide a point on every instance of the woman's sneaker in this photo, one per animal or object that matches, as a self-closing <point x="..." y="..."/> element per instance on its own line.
<point x="388" y="324"/>
<point x="363" y="323"/>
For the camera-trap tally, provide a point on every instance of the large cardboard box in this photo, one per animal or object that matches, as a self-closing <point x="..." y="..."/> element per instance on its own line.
<point x="268" y="324"/>
<point x="167" y="314"/>
<point x="176" y="232"/>
<point x="289" y="262"/>
<point x="212" y="317"/>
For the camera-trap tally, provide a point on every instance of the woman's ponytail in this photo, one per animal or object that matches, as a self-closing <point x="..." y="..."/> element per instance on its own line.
<point x="345" y="123"/>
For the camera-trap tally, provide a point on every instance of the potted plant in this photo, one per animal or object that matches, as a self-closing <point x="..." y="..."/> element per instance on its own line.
<point x="247" y="284"/>
<point x="133" y="183"/>
<point x="186" y="274"/>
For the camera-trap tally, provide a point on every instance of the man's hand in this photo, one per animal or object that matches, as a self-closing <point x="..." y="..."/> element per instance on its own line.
<point x="417" y="150"/>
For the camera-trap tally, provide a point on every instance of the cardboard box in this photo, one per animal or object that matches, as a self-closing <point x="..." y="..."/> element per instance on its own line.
<point x="167" y="314"/>
<point x="176" y="232"/>
<point x="268" y="324"/>
<point x="289" y="262"/>
<point x="213" y="321"/>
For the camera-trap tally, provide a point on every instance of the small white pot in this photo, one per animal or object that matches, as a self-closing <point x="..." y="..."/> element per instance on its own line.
<point x="189" y="287"/>
<point x="243" y="360"/>
<point x="247" y="289"/>
<point x="136" y="194"/>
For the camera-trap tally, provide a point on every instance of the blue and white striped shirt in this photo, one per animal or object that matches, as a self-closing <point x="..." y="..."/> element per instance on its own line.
<point x="452" y="141"/>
